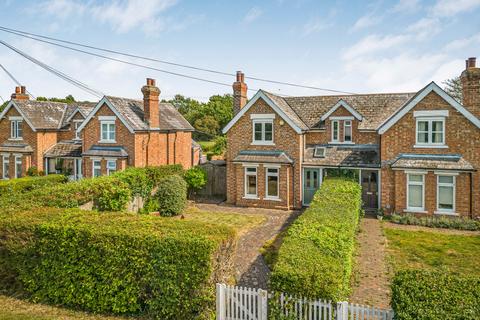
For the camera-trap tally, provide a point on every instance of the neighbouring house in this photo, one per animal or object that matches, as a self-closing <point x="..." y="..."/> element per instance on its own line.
<point x="87" y="139"/>
<point x="413" y="152"/>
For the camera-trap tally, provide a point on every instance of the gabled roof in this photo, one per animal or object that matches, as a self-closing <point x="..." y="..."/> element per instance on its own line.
<point x="342" y="103"/>
<point x="431" y="87"/>
<point x="84" y="108"/>
<point x="279" y="105"/>
<point x="131" y="113"/>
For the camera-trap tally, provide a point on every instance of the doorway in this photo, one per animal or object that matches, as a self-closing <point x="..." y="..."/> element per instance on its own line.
<point x="312" y="180"/>
<point x="369" y="183"/>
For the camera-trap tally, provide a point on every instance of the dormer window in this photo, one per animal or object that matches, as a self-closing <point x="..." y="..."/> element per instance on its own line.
<point x="107" y="129"/>
<point x="430" y="128"/>
<point x="16" y="128"/>
<point x="319" y="152"/>
<point x="262" y="129"/>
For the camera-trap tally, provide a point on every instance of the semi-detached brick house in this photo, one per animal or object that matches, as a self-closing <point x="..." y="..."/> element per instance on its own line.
<point x="411" y="152"/>
<point x="86" y="139"/>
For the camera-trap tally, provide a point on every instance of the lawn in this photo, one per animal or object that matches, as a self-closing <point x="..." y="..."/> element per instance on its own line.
<point x="433" y="251"/>
<point x="206" y="145"/>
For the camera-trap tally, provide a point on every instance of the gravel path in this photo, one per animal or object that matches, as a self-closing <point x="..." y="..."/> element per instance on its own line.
<point x="371" y="285"/>
<point x="250" y="267"/>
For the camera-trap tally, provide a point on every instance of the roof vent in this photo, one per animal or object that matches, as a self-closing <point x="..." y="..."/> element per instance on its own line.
<point x="319" y="152"/>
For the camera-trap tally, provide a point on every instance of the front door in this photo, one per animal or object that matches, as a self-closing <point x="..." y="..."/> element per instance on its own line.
<point x="370" y="189"/>
<point x="311" y="183"/>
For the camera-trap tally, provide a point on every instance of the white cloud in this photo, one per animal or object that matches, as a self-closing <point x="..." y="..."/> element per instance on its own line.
<point x="463" y="43"/>
<point x="373" y="44"/>
<point x="406" y="6"/>
<point x="62" y="9"/>
<point x="368" y="20"/>
<point x="253" y="14"/>
<point x="449" y="8"/>
<point x="318" y="24"/>
<point x="425" y="27"/>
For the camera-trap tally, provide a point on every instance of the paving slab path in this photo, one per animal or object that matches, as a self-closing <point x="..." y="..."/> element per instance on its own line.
<point x="371" y="283"/>
<point x="250" y="267"/>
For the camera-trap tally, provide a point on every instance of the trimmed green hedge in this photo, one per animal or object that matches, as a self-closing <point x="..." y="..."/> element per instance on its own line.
<point x="13" y="186"/>
<point x="315" y="258"/>
<point x="115" y="262"/>
<point x="435" y="295"/>
<point x="171" y="196"/>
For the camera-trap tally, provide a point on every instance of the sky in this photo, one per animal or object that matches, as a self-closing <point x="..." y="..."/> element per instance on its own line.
<point x="353" y="46"/>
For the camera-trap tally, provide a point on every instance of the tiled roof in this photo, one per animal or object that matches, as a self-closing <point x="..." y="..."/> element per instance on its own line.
<point x="432" y="161"/>
<point x="345" y="156"/>
<point x="375" y="108"/>
<point x="285" y="107"/>
<point x="132" y="112"/>
<point x="15" y="146"/>
<point x="106" y="151"/>
<point x="264" y="156"/>
<point x="65" y="149"/>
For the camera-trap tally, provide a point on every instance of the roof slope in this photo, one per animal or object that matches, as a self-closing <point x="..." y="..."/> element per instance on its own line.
<point x="132" y="111"/>
<point x="287" y="109"/>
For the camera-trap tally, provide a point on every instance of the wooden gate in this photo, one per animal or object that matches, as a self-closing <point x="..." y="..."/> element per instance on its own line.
<point x="216" y="187"/>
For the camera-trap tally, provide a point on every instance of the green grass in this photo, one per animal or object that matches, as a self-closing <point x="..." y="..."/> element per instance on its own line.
<point x="206" y="145"/>
<point x="433" y="251"/>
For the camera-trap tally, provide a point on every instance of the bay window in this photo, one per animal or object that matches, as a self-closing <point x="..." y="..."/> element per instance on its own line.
<point x="446" y="193"/>
<point x="5" y="166"/>
<point x="250" y="182"/>
<point x="111" y="166"/>
<point x="96" y="168"/>
<point x="18" y="166"/>
<point x="271" y="185"/>
<point x="415" y="191"/>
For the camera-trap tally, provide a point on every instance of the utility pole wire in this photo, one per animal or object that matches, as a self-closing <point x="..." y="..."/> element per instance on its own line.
<point x="15" y="80"/>
<point x="24" y="34"/>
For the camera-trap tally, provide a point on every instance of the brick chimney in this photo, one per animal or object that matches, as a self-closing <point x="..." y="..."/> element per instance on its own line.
<point x="150" y="104"/>
<point x="239" y="93"/>
<point x="20" y="93"/>
<point x="470" y="79"/>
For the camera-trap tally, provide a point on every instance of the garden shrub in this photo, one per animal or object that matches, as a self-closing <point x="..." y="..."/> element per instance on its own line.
<point x="171" y="195"/>
<point x="115" y="263"/>
<point x="13" y="186"/>
<point x="315" y="258"/>
<point x="436" y="221"/>
<point x="196" y="178"/>
<point x="418" y="294"/>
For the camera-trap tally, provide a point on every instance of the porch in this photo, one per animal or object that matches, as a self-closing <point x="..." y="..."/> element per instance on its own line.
<point x="65" y="157"/>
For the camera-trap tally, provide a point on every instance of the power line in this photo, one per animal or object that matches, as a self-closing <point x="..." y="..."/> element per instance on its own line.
<point x="56" y="72"/>
<point x="15" y="80"/>
<point x="24" y="34"/>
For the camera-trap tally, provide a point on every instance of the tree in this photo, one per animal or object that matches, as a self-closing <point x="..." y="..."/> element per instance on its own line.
<point x="67" y="99"/>
<point x="454" y="88"/>
<point x="207" y="124"/>
<point x="3" y="105"/>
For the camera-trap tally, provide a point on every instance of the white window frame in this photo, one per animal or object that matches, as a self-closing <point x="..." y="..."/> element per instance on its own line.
<point x="269" y="174"/>
<point x="429" y="142"/>
<point x="416" y="209"/>
<point x="108" y="123"/>
<point x="345" y="130"/>
<point x="76" y="125"/>
<point x="16" y="130"/>
<point x="246" y="194"/>
<point x="444" y="184"/>
<point x="18" y="160"/>
<point x="333" y="131"/>
<point x="5" y="161"/>
<point x="109" y="161"/>
<point x="99" y="167"/>
<point x="262" y="141"/>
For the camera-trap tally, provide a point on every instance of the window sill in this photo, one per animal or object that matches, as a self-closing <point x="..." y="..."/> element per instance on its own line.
<point x="251" y="198"/>
<point x="431" y="146"/>
<point x="340" y="142"/>
<point x="107" y="141"/>
<point x="415" y="211"/>
<point x="15" y="139"/>
<point x="272" y="199"/>
<point x="260" y="143"/>
<point x="446" y="213"/>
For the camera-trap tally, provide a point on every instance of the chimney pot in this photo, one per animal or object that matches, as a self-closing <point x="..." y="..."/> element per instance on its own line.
<point x="23" y="89"/>
<point x="471" y="62"/>
<point x="18" y="89"/>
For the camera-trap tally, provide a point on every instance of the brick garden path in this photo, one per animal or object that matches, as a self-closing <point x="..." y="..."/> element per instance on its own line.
<point x="371" y="284"/>
<point x="250" y="267"/>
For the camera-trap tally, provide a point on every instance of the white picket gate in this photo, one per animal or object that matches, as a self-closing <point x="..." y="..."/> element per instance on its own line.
<point x="238" y="303"/>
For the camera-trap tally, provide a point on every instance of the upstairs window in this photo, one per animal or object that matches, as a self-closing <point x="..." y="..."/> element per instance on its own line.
<point x="263" y="131"/>
<point x="16" y="129"/>
<point x="335" y="130"/>
<point x="107" y="131"/>
<point x="76" y="125"/>
<point x="430" y="132"/>
<point x="347" y="131"/>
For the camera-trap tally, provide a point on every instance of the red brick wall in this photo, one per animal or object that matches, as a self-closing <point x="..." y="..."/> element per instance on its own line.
<point x="461" y="136"/>
<point x="69" y="132"/>
<point x="239" y="137"/>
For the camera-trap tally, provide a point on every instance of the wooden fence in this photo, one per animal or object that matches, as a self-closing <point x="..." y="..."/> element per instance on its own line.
<point x="238" y="303"/>
<point x="216" y="186"/>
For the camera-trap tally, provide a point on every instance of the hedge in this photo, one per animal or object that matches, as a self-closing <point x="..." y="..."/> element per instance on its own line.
<point x="13" y="186"/>
<point x="115" y="262"/>
<point x="420" y="294"/>
<point x="436" y="222"/>
<point x="171" y="196"/>
<point x="315" y="258"/>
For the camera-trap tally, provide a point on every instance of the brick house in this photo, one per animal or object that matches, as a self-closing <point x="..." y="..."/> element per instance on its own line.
<point x="413" y="152"/>
<point x="86" y="139"/>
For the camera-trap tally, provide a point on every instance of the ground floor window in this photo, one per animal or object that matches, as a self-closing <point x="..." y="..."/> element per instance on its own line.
<point x="251" y="182"/>
<point x="415" y="191"/>
<point x="446" y="193"/>
<point x="111" y="166"/>
<point x="18" y="166"/>
<point x="97" y="168"/>
<point x="5" y="167"/>
<point x="271" y="185"/>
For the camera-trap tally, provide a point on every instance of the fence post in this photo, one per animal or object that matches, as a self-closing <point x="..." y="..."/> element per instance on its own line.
<point x="221" y="312"/>
<point x="262" y="304"/>
<point x="342" y="311"/>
